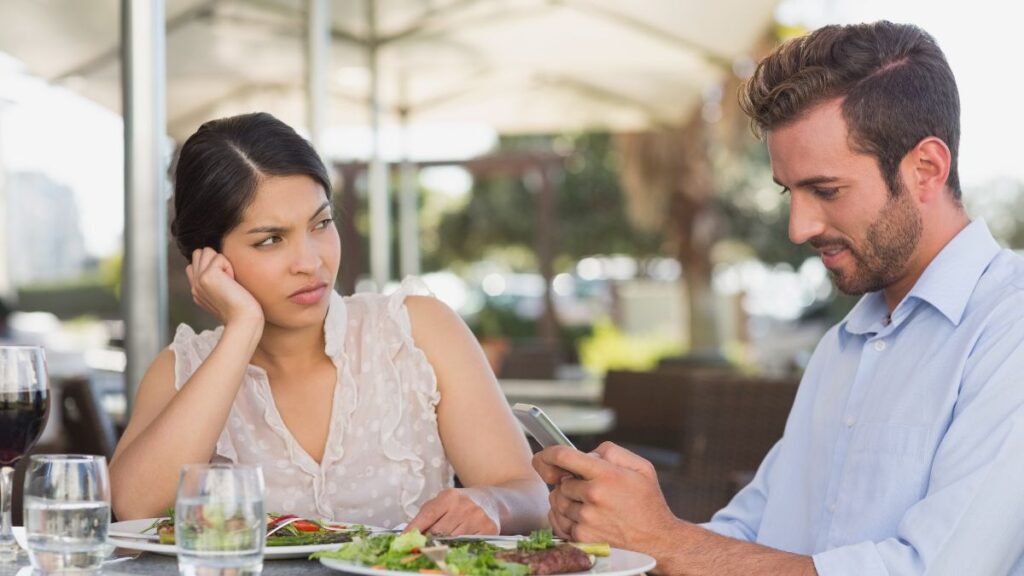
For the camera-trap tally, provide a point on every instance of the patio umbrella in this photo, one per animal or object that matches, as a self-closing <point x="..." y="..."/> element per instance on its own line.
<point x="521" y="66"/>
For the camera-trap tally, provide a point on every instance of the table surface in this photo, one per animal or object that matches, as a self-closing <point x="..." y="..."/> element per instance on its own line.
<point x="157" y="565"/>
<point x="580" y="420"/>
<point x="579" y="392"/>
<point x="584" y="392"/>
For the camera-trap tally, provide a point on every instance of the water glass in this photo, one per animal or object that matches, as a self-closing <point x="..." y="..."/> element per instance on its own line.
<point x="219" y="524"/>
<point x="67" y="512"/>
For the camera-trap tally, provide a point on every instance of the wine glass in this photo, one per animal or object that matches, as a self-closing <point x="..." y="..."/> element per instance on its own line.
<point x="24" y="405"/>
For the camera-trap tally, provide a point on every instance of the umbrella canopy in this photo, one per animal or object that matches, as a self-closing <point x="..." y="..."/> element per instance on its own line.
<point x="521" y="66"/>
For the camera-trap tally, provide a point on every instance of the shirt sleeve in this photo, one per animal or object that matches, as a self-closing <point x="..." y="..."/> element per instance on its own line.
<point x="972" y="516"/>
<point x="741" y="518"/>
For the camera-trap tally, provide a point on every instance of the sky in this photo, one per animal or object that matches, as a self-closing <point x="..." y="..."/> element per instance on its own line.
<point x="76" y="142"/>
<point x="982" y="42"/>
<point x="73" y="140"/>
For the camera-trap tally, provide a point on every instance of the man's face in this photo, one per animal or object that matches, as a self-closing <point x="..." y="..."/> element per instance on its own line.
<point x="840" y="204"/>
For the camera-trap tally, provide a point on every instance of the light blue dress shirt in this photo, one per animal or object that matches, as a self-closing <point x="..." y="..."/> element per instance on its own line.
<point x="904" y="450"/>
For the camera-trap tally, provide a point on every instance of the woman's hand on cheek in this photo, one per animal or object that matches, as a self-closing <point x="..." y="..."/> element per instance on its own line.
<point x="215" y="289"/>
<point x="455" y="512"/>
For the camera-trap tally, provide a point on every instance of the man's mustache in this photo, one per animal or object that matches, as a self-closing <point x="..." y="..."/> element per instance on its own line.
<point x="822" y="242"/>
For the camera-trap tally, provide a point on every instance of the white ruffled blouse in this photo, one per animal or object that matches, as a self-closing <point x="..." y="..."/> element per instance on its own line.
<point x="383" y="458"/>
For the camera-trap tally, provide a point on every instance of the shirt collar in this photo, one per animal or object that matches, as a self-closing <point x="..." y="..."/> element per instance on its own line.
<point x="864" y="318"/>
<point x="946" y="284"/>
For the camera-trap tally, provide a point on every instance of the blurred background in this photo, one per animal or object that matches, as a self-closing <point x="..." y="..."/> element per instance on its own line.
<point x="574" y="177"/>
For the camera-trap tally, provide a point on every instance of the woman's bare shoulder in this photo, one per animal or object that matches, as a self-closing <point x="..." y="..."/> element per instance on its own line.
<point x="163" y="364"/>
<point x="428" y="308"/>
<point x="433" y="321"/>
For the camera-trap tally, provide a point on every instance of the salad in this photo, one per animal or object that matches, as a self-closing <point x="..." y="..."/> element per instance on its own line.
<point x="282" y="530"/>
<point x="540" y="553"/>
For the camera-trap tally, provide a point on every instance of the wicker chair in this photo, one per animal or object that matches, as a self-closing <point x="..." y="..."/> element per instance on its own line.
<point x="729" y="425"/>
<point x="704" y="433"/>
<point x="529" y="360"/>
<point x="88" y="427"/>
<point x="648" y="408"/>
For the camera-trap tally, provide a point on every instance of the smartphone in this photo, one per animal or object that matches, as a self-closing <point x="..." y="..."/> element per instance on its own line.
<point x="540" y="426"/>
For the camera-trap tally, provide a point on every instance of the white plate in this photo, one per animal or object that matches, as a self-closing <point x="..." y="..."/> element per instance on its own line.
<point x="618" y="563"/>
<point x="128" y="534"/>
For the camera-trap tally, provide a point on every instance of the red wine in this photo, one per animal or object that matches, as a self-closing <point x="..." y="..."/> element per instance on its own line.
<point x="22" y="418"/>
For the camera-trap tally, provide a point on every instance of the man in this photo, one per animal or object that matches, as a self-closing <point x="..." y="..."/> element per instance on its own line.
<point x="902" y="453"/>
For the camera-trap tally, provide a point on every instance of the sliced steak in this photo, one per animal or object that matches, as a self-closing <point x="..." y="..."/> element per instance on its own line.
<point x="561" y="559"/>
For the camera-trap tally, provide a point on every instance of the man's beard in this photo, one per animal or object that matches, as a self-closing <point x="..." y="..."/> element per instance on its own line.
<point x="888" y="245"/>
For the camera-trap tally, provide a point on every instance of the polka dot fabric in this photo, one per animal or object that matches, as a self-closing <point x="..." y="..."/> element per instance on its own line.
<point x="382" y="460"/>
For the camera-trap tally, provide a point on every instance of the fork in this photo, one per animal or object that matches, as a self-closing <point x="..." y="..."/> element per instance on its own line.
<point x="283" y="524"/>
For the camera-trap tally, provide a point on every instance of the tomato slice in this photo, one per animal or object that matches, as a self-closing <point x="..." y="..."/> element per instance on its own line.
<point x="306" y="526"/>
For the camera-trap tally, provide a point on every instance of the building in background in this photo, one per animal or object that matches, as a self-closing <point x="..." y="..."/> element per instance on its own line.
<point x="44" y="239"/>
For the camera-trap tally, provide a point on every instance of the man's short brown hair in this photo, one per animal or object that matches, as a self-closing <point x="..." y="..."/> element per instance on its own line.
<point x="896" y="84"/>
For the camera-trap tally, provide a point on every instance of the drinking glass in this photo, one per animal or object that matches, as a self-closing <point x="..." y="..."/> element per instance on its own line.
<point x="24" y="405"/>
<point x="219" y="524"/>
<point x="67" y="511"/>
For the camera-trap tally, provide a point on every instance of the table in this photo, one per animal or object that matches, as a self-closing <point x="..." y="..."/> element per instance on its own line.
<point x="587" y="392"/>
<point x="580" y="420"/>
<point x="149" y="564"/>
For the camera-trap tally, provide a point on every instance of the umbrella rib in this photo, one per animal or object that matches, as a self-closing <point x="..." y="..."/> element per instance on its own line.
<point x="114" y="53"/>
<point x="627" y="21"/>
<point x="442" y="98"/>
<point x="428" y="16"/>
<point x="336" y="32"/>
<point x="203" y="110"/>
<point x="600" y="93"/>
<point x="420" y="31"/>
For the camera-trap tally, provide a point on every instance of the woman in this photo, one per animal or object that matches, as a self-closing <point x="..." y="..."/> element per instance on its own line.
<point x="356" y="408"/>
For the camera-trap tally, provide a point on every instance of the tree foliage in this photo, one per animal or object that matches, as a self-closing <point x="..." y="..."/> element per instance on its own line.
<point x="591" y="212"/>
<point x="753" y="209"/>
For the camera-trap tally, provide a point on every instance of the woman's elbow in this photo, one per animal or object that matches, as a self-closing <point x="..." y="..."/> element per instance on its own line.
<point x="127" y="507"/>
<point x="131" y="502"/>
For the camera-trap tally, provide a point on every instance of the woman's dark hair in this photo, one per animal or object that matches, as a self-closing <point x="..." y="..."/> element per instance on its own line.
<point x="220" y="167"/>
<point x="897" y="87"/>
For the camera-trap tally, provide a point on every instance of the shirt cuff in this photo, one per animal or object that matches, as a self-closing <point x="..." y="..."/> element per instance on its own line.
<point x="856" y="559"/>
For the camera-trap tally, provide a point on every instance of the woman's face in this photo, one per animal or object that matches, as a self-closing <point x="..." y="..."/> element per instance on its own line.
<point x="286" y="250"/>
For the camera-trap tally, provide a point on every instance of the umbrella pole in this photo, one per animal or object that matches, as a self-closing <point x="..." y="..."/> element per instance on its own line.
<point x="408" y="225"/>
<point x="318" y="69"/>
<point x="380" y="217"/>
<point x="145" y="244"/>
<point x="6" y="286"/>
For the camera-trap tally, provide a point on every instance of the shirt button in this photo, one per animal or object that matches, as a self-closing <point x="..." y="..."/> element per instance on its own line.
<point x="879" y="345"/>
<point x="850" y="421"/>
<point x="832" y="507"/>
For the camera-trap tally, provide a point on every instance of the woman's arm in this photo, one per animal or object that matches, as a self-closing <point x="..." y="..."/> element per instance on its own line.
<point x="171" y="428"/>
<point x="481" y="438"/>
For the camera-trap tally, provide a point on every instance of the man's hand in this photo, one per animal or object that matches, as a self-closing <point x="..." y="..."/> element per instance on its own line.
<point x="215" y="289"/>
<point x="615" y="499"/>
<point x="457" y="511"/>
